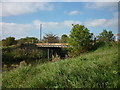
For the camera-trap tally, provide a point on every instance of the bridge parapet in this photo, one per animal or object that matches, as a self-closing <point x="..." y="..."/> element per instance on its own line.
<point x="52" y="44"/>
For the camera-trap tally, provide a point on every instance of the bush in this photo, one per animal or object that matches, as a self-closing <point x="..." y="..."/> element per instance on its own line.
<point x="98" y="69"/>
<point x="7" y="57"/>
<point x="8" y="41"/>
<point x="17" y="54"/>
<point x="55" y="58"/>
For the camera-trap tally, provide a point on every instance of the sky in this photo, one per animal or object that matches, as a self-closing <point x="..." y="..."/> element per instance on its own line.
<point x="23" y="19"/>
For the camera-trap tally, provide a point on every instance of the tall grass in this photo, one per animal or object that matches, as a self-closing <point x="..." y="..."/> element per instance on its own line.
<point x="98" y="69"/>
<point x="0" y="80"/>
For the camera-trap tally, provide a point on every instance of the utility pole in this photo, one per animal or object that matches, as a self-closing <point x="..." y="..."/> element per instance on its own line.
<point x="40" y="32"/>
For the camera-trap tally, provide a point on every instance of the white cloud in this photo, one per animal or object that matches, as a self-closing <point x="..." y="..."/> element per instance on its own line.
<point x="55" y="25"/>
<point x="102" y="5"/>
<point x="75" y="12"/>
<point x="13" y="29"/>
<point x="111" y="23"/>
<point x="70" y="22"/>
<point x="0" y="9"/>
<point x="21" y="30"/>
<point x="9" y="9"/>
<point x="92" y="0"/>
<point x="59" y="0"/>
<point x="95" y="23"/>
<point x="27" y="0"/>
<point x="115" y="14"/>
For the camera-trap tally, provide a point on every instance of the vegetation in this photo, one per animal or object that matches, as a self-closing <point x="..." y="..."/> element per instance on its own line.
<point x="27" y="40"/>
<point x="64" y="38"/>
<point x="26" y="52"/>
<point x="8" y="41"/>
<point x="50" y="38"/>
<point x="95" y="62"/>
<point x="0" y="80"/>
<point x="11" y="41"/>
<point x="98" y="69"/>
<point x="106" y="36"/>
<point x="80" y="39"/>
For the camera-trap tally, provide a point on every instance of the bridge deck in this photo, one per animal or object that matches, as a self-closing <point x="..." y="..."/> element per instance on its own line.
<point x="52" y="44"/>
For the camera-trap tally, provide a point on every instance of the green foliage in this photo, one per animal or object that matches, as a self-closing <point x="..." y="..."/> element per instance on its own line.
<point x="64" y="38"/>
<point x="50" y="38"/>
<point x="0" y="80"/>
<point x="11" y="41"/>
<point x="8" y="41"/>
<point x="98" y="69"/>
<point x="55" y="58"/>
<point x="24" y="54"/>
<point x="20" y="53"/>
<point x="80" y="39"/>
<point x="27" y="40"/>
<point x="106" y="36"/>
<point x="7" y="57"/>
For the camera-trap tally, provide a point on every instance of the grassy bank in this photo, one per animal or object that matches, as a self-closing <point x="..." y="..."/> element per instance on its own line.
<point x="97" y="69"/>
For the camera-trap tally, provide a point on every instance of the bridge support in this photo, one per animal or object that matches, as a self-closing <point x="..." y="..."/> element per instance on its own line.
<point x="48" y="53"/>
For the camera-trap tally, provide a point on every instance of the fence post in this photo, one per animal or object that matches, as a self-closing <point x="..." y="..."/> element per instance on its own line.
<point x="48" y="53"/>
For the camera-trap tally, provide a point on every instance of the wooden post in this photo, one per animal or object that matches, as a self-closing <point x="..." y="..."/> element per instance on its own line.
<point x="48" y="53"/>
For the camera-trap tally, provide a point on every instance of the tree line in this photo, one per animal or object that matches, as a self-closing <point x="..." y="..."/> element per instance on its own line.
<point x="80" y="39"/>
<point x="48" y="38"/>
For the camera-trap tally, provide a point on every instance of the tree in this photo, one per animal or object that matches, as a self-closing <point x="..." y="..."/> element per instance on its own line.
<point x="50" y="38"/>
<point x="106" y="36"/>
<point x="27" y="40"/>
<point x="64" y="38"/>
<point x="80" y="39"/>
<point x="8" y="41"/>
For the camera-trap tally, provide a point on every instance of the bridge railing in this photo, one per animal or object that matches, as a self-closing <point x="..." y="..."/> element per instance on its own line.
<point x="52" y="44"/>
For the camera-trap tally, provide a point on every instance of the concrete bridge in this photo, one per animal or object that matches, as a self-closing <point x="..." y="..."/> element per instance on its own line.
<point x="61" y="45"/>
<point x="51" y="46"/>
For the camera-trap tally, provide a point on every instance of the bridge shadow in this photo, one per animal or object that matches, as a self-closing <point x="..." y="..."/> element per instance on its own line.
<point x="54" y="51"/>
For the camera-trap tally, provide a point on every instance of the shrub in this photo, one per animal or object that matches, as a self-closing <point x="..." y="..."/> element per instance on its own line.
<point x="98" y="69"/>
<point x="20" y="53"/>
<point x="23" y="63"/>
<point x="55" y="58"/>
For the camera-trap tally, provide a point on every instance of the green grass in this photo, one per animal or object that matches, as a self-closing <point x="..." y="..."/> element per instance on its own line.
<point x="0" y="80"/>
<point x="98" y="69"/>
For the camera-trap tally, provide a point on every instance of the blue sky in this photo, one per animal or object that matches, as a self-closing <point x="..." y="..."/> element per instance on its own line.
<point x="23" y="19"/>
